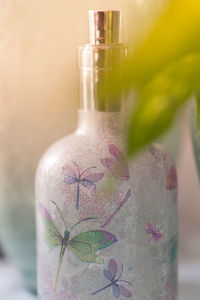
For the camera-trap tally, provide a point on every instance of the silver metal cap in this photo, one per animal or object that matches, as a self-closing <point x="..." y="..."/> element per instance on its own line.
<point x="105" y="27"/>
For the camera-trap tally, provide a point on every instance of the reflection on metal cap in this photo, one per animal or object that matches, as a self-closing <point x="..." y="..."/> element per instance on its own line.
<point x="105" y="27"/>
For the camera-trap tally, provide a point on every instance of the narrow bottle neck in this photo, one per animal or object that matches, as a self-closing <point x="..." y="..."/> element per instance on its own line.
<point x="96" y="65"/>
<point x="99" y="111"/>
<point x="98" y="123"/>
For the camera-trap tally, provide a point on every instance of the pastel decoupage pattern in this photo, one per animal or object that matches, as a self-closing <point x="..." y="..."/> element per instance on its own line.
<point x="106" y="228"/>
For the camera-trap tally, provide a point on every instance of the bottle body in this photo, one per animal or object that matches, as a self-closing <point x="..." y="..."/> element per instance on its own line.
<point x="106" y="228"/>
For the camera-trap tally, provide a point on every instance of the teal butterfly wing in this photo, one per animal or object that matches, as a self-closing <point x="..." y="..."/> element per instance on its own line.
<point x="85" y="245"/>
<point x="52" y="236"/>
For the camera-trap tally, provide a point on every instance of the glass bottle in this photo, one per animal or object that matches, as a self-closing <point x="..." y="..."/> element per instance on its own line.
<point x="106" y="227"/>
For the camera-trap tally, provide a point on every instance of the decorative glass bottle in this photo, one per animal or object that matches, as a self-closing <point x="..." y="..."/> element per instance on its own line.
<point x="106" y="228"/>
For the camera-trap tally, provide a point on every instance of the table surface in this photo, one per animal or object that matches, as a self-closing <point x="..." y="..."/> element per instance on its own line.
<point x="11" y="283"/>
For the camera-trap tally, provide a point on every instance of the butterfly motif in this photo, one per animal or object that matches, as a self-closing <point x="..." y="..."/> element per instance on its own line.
<point x="73" y="175"/>
<point x="117" y="164"/>
<point x="84" y="245"/>
<point x="111" y="274"/>
<point x="171" y="179"/>
<point x="154" y="233"/>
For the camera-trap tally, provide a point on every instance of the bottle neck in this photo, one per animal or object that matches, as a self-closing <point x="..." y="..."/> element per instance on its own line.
<point x="99" y="112"/>
<point x="99" y="123"/>
<point x="96" y="65"/>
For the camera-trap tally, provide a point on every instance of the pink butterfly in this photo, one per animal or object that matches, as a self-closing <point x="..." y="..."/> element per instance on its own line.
<point x="153" y="232"/>
<point x="117" y="164"/>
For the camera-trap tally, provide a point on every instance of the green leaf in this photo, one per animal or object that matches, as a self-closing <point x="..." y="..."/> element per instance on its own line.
<point x="159" y="101"/>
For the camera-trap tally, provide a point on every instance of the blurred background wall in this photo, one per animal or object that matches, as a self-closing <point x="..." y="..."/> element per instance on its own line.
<point x="38" y="99"/>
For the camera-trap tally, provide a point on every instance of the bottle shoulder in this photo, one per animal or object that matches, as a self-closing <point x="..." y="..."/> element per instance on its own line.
<point x="156" y="156"/>
<point x="55" y="152"/>
<point x="90" y="149"/>
<point x="156" y="167"/>
<point x="157" y="150"/>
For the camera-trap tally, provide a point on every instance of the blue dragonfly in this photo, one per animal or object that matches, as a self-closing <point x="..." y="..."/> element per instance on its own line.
<point x="73" y="175"/>
<point x="111" y="274"/>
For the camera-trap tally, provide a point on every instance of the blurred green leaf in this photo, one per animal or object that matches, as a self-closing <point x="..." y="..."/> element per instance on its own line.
<point x="165" y="71"/>
<point x="160" y="99"/>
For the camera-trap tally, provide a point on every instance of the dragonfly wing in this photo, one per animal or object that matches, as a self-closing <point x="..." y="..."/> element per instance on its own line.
<point x="108" y="275"/>
<point x="52" y="236"/>
<point x="109" y="163"/>
<point x="94" y="177"/>
<point x="69" y="171"/>
<point x="172" y="179"/>
<point x="173" y="249"/>
<point x="118" y="169"/>
<point x="82" y="247"/>
<point x="88" y="184"/>
<point x="114" y="151"/>
<point x="98" y="239"/>
<point x="113" y="268"/>
<point x="84" y="251"/>
<point x="70" y="180"/>
<point x="123" y="166"/>
<point x="116" y="290"/>
<point x="124" y="291"/>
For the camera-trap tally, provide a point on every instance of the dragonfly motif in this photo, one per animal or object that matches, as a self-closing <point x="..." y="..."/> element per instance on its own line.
<point x="128" y="194"/>
<point x="153" y="232"/>
<point x="84" y="245"/>
<point x="111" y="274"/>
<point x="171" y="179"/>
<point x="173" y="249"/>
<point x="117" y="164"/>
<point x="74" y="176"/>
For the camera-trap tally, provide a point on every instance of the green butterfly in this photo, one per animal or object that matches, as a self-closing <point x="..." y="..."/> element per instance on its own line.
<point x="84" y="245"/>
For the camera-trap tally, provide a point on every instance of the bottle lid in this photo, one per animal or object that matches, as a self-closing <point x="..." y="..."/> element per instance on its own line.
<point x="105" y="27"/>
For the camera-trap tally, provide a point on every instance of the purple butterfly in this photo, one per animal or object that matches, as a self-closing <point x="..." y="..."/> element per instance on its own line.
<point x="117" y="164"/>
<point x="111" y="274"/>
<point x="153" y="232"/>
<point x="73" y="175"/>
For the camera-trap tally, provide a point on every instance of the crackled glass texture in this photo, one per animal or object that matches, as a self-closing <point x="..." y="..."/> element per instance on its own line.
<point x="107" y="228"/>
